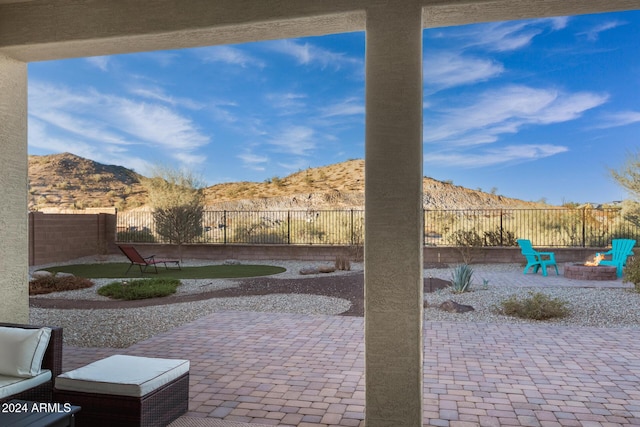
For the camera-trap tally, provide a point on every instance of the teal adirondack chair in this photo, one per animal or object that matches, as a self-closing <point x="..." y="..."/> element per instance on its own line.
<point x="535" y="259"/>
<point x="620" y="250"/>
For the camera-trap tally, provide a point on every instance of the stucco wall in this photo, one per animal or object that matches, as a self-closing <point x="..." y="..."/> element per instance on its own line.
<point x="14" y="304"/>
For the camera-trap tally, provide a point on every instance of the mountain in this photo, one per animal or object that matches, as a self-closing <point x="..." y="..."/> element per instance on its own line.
<point x="66" y="181"/>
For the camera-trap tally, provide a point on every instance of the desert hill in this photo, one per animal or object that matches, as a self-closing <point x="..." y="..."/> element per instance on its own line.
<point x="66" y="182"/>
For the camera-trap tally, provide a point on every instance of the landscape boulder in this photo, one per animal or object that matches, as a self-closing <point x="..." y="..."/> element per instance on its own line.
<point x="309" y="270"/>
<point x="454" y="307"/>
<point x="40" y="273"/>
<point x="326" y="269"/>
<point x="62" y="274"/>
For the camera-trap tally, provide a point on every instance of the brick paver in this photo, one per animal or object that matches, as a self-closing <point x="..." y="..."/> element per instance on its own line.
<point x="297" y="370"/>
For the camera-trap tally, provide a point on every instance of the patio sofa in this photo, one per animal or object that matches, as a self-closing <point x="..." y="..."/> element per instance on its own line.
<point x="30" y="360"/>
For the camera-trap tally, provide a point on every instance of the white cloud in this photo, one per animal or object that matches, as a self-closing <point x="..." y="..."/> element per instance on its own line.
<point x="308" y="54"/>
<point x="505" y="110"/>
<point x="100" y="62"/>
<point x="348" y="107"/>
<point x="228" y="55"/>
<point x="295" y="140"/>
<point x="158" y="94"/>
<point x="593" y="33"/>
<point x="189" y="159"/>
<point x="155" y="124"/>
<point x="503" y="36"/>
<point x="558" y="22"/>
<point x="287" y="103"/>
<point x="253" y="161"/>
<point x="447" y="69"/>
<point x="109" y="121"/>
<point x="622" y="118"/>
<point x="494" y="157"/>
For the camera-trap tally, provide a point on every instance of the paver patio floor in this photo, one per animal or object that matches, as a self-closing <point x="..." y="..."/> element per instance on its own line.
<point x="298" y="370"/>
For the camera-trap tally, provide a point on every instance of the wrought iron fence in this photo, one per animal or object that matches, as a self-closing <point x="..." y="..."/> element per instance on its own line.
<point x="337" y="227"/>
<point x="552" y="227"/>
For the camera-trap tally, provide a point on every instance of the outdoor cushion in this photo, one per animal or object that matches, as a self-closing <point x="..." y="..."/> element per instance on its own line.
<point x="10" y="386"/>
<point x="22" y="351"/>
<point x="123" y="375"/>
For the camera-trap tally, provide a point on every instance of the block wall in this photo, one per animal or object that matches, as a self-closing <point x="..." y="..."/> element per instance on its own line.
<point x="63" y="237"/>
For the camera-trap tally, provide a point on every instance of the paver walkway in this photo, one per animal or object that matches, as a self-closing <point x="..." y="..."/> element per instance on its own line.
<point x="296" y="370"/>
<point x="307" y="371"/>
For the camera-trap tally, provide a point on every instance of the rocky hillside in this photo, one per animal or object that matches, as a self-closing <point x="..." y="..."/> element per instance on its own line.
<point x="340" y="186"/>
<point x="65" y="181"/>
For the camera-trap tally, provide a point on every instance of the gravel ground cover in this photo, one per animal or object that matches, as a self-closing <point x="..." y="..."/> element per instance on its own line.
<point x="91" y="320"/>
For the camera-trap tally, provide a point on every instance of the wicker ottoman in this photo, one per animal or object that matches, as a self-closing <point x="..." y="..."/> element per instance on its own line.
<point x="126" y="391"/>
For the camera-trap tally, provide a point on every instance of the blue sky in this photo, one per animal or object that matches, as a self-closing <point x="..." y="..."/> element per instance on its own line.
<point x="536" y="109"/>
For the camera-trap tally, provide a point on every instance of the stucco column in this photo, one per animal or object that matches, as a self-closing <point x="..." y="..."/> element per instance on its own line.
<point x="393" y="217"/>
<point x="14" y="250"/>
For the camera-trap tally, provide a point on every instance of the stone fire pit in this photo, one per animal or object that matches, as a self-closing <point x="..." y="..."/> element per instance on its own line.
<point x="586" y="272"/>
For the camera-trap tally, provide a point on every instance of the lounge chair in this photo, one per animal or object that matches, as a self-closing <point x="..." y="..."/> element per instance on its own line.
<point x="620" y="250"/>
<point x="145" y="262"/>
<point x="535" y="259"/>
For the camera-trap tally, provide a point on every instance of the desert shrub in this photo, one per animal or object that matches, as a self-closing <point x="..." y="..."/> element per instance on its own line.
<point x="140" y="289"/>
<point x="536" y="306"/>
<point x="500" y="237"/>
<point x="631" y="273"/>
<point x="466" y="238"/>
<point x="136" y="235"/>
<point x="48" y="284"/>
<point x="342" y="263"/>
<point x="461" y="278"/>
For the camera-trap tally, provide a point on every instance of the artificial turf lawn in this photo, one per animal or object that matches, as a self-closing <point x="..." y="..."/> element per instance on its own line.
<point x="117" y="270"/>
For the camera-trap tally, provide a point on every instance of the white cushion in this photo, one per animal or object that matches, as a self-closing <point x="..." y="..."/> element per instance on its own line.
<point x="14" y="385"/>
<point x="123" y="375"/>
<point x="22" y="351"/>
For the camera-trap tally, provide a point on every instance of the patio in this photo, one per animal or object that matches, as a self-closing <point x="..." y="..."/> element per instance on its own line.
<point x="300" y="370"/>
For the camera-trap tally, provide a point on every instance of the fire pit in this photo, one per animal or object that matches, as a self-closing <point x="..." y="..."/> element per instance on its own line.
<point x="590" y="272"/>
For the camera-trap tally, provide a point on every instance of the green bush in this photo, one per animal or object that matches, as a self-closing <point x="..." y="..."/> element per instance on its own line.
<point x="140" y="289"/>
<point x="461" y="278"/>
<point x="536" y="306"/>
<point x="631" y="273"/>
<point x="134" y="235"/>
<point x="48" y="284"/>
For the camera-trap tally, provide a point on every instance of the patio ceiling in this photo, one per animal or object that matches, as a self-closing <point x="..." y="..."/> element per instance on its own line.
<point x="33" y="30"/>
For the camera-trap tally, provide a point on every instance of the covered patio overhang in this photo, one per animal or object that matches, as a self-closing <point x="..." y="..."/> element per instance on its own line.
<point x="37" y="30"/>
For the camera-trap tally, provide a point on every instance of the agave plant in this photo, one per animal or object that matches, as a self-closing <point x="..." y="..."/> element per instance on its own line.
<point x="461" y="278"/>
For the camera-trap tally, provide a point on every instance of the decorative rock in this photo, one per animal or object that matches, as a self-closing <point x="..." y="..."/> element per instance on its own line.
<point x="326" y="269"/>
<point x="454" y="307"/>
<point x="309" y="270"/>
<point x="61" y="274"/>
<point x="41" y="273"/>
<point x="231" y="262"/>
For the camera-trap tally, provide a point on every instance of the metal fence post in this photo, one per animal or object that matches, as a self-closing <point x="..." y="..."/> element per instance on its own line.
<point x="224" y="228"/>
<point x="584" y="227"/>
<point x="352" y="236"/>
<point x="289" y="227"/>
<point x="501" y="229"/>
